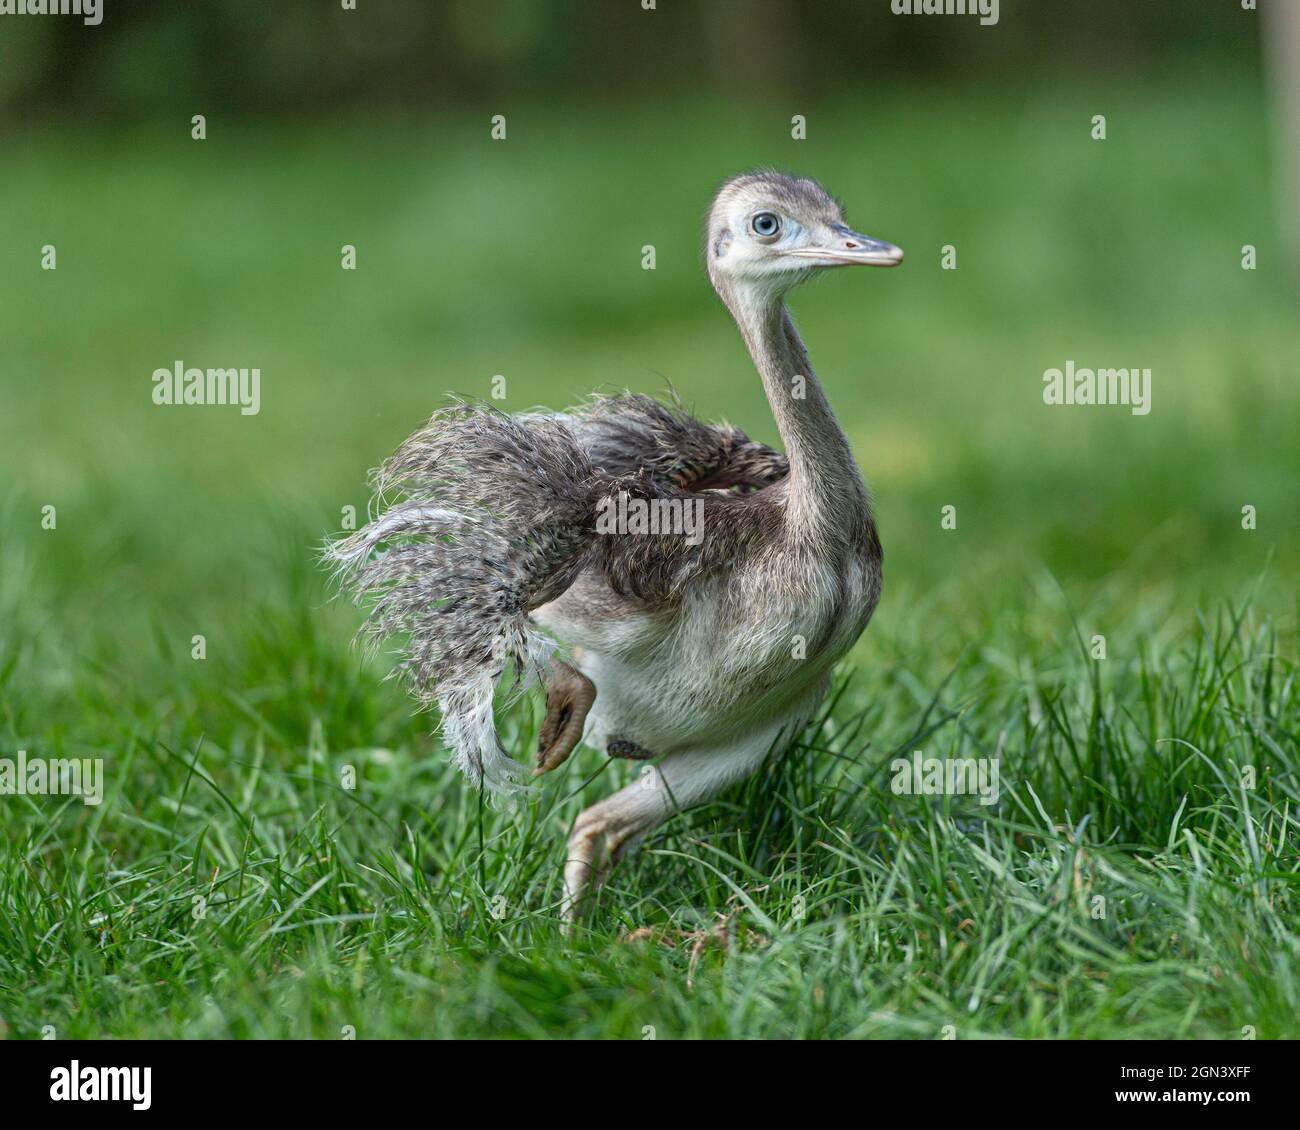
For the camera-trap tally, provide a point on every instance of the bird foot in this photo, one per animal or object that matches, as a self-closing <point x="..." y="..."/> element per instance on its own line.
<point x="569" y="697"/>
<point x="600" y="834"/>
<point x="621" y="747"/>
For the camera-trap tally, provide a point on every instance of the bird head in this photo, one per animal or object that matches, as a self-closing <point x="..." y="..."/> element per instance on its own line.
<point x="772" y="231"/>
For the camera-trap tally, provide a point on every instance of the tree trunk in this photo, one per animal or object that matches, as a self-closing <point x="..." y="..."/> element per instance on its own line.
<point x="1281" y="35"/>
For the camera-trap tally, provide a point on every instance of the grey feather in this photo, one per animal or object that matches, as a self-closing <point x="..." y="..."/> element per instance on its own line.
<point x="494" y="518"/>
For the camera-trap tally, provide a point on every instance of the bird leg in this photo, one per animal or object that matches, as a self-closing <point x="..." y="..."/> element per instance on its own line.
<point x="602" y="833"/>
<point x="607" y="830"/>
<point x="569" y="695"/>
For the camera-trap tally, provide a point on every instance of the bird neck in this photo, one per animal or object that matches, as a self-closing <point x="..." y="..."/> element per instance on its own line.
<point x="826" y="493"/>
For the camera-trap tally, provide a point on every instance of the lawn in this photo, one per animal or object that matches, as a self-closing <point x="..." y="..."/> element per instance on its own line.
<point x="1139" y="876"/>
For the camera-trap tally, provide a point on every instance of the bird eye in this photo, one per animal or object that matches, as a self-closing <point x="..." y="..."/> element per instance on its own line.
<point x="766" y="224"/>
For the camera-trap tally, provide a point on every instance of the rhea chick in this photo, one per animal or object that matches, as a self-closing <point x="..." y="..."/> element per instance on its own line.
<point x="701" y="655"/>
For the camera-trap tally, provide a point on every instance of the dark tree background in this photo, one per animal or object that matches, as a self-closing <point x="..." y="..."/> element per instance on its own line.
<point x="153" y="57"/>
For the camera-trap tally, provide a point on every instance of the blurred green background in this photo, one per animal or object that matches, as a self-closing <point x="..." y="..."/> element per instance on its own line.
<point x="522" y="257"/>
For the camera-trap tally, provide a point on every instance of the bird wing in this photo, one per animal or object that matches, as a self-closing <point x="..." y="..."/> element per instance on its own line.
<point x="630" y="434"/>
<point x="682" y="536"/>
<point x="484" y="517"/>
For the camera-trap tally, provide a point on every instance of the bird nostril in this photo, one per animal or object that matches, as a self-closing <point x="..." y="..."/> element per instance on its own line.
<point x="848" y="243"/>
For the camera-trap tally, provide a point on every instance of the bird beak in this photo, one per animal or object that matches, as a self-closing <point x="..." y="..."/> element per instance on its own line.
<point x="847" y="248"/>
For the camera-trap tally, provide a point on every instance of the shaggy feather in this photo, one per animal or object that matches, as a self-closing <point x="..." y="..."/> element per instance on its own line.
<point x="497" y="518"/>
<point x="631" y="434"/>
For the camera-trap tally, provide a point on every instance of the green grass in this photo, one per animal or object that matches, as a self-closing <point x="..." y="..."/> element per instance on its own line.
<point x="812" y="901"/>
<point x="830" y="906"/>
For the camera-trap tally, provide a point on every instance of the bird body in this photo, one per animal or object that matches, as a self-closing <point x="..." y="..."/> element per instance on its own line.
<point x="703" y="654"/>
<point x="726" y="650"/>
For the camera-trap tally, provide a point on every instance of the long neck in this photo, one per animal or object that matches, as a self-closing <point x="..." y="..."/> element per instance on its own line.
<point x="826" y="495"/>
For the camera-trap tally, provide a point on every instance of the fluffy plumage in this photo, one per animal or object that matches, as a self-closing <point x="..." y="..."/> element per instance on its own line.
<point x="630" y="434"/>
<point x="484" y="517"/>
